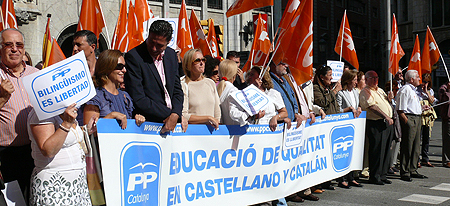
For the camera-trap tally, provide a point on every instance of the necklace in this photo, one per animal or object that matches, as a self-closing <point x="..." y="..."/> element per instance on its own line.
<point x="80" y="144"/>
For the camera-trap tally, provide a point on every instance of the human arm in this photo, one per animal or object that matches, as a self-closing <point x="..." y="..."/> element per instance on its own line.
<point x="139" y="119"/>
<point x="50" y="140"/>
<point x="282" y="114"/>
<point x="93" y="111"/>
<point x="6" y="89"/>
<point x="375" y="109"/>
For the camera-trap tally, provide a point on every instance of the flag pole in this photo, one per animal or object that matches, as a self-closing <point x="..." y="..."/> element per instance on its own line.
<point x="3" y="22"/>
<point x="267" y="66"/>
<point x="342" y="34"/>
<point x="251" y="60"/>
<point x="271" y="15"/>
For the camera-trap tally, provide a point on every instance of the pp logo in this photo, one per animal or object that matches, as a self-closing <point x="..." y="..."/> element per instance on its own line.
<point x="342" y="146"/>
<point x="140" y="169"/>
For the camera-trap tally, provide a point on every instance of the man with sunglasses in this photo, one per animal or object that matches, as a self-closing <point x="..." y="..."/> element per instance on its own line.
<point x="152" y="78"/>
<point x="15" y="149"/>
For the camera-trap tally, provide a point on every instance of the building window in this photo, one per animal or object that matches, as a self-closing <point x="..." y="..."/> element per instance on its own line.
<point x="358" y="30"/>
<point x="215" y="4"/>
<point x="323" y="22"/>
<point x="264" y="9"/>
<point x="188" y="2"/>
<point x="440" y="13"/>
<point x="356" y="6"/>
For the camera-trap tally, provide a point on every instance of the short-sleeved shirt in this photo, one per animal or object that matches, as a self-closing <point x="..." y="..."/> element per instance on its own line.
<point x="107" y="102"/>
<point x="13" y="115"/>
<point x="407" y="100"/>
<point x="369" y="97"/>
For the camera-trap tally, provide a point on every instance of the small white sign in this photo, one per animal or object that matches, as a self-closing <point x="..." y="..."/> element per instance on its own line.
<point x="54" y="88"/>
<point x="338" y="69"/>
<point x="251" y="99"/>
<point x="293" y="137"/>
<point x="172" y="21"/>
<point x="13" y="194"/>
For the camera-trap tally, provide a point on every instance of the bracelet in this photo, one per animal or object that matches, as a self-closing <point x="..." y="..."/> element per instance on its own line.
<point x="64" y="128"/>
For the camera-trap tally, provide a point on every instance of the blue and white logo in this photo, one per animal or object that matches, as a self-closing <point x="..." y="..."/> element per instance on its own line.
<point x="342" y="138"/>
<point x="140" y="169"/>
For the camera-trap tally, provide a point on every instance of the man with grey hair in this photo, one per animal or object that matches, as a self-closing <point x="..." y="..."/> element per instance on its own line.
<point x="409" y="111"/>
<point x="15" y="149"/>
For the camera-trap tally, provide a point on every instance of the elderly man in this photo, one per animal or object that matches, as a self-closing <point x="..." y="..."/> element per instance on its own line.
<point x="152" y="78"/>
<point x="409" y="111"/>
<point x="86" y="41"/>
<point x="379" y="128"/>
<point x="15" y="150"/>
<point x="444" y="96"/>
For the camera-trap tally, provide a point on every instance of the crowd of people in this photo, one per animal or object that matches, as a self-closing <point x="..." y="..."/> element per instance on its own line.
<point x="149" y="83"/>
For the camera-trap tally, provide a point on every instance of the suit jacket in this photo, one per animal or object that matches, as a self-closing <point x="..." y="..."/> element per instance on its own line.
<point x="145" y="87"/>
<point x="343" y="99"/>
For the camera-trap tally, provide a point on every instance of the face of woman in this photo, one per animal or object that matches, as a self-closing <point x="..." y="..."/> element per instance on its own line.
<point x="362" y="82"/>
<point x="327" y="78"/>
<point x="198" y="64"/>
<point x="117" y="75"/>
<point x="353" y="83"/>
<point x="215" y="74"/>
<point x="252" y="76"/>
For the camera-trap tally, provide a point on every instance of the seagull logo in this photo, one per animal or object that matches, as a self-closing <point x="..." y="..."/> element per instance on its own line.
<point x="142" y="165"/>
<point x="416" y="57"/>
<point x="343" y="138"/>
<point x="348" y="39"/>
<point x="200" y="35"/>
<point x="432" y="46"/>
<point x="293" y="6"/>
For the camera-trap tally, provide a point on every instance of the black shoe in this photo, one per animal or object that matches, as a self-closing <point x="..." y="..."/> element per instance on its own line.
<point x="344" y="186"/>
<point x="395" y="169"/>
<point x="391" y="171"/>
<point x="386" y="181"/>
<point x="355" y="184"/>
<point x="406" y="178"/>
<point x="376" y="182"/>
<point x="419" y="176"/>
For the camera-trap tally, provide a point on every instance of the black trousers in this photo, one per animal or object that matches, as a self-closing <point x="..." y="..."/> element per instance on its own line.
<point x="17" y="164"/>
<point x="380" y="136"/>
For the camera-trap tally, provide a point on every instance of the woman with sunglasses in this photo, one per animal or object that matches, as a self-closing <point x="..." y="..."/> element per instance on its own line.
<point x="201" y="101"/>
<point x="110" y="102"/>
<point x="227" y="74"/>
<point x="212" y="68"/>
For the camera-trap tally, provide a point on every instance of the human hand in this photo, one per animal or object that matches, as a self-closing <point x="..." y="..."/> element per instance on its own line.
<point x="337" y="87"/>
<point x="92" y="125"/>
<point x="139" y="119"/>
<point x="425" y="107"/>
<point x="273" y="123"/>
<point x="240" y="73"/>
<point x="169" y="123"/>
<point x="390" y="121"/>
<point x="299" y="119"/>
<point x="122" y="118"/>
<point x="6" y="88"/>
<point x="184" y="123"/>
<point x="260" y="114"/>
<point x="322" y="113"/>
<point x="70" y="115"/>
<point x="213" y="122"/>
<point x="312" y="116"/>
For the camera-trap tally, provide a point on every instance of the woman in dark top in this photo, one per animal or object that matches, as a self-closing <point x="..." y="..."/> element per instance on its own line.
<point x="110" y="102"/>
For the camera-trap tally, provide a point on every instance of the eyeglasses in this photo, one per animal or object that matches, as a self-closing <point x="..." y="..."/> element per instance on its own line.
<point x="120" y="66"/>
<point x="198" y="60"/>
<point x="372" y="77"/>
<point x="215" y="72"/>
<point x="10" y="45"/>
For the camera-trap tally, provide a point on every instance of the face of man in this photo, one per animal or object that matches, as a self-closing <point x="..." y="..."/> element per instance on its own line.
<point x="156" y="44"/>
<point x="398" y="76"/>
<point x="81" y="44"/>
<point x="237" y="60"/>
<point x="12" y="51"/>
<point x="372" y="80"/>
<point x="416" y="80"/>
<point x="281" y="69"/>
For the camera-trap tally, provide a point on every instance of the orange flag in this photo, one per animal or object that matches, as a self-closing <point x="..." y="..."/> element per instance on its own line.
<point x="431" y="53"/>
<point x="132" y="28"/>
<point x="212" y="40"/>
<point x="142" y="17"/>
<point x="56" y="53"/>
<point x="9" y="15"/>
<point x="260" y="47"/>
<point x="347" y="48"/>
<point x="396" y="52"/>
<point x="120" y="36"/>
<point x="198" y="37"/>
<point x="289" y="14"/>
<point x="91" y="17"/>
<point x="241" y="6"/>
<point x="286" y="32"/>
<point x="47" y="44"/>
<point x="300" y="55"/>
<point x="414" y="63"/>
<point x="184" y="41"/>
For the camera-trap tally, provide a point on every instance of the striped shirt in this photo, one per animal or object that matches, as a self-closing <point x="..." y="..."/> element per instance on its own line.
<point x="14" y="114"/>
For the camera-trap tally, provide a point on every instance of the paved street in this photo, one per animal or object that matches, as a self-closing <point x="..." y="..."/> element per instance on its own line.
<point x="432" y="191"/>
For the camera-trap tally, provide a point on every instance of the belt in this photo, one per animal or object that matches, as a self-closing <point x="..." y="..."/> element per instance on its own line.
<point x="410" y="114"/>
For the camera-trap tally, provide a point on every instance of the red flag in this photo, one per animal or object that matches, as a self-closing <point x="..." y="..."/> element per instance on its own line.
<point x="198" y="37"/>
<point x="120" y="37"/>
<point x="396" y="50"/>
<point x="414" y="63"/>
<point x="260" y="47"/>
<point x="56" y="53"/>
<point x="431" y="53"/>
<point x="9" y="15"/>
<point x="212" y="39"/>
<point x="347" y="48"/>
<point x="241" y="6"/>
<point x="47" y="44"/>
<point x="184" y="41"/>
<point x="300" y="55"/>
<point x="142" y="17"/>
<point x="91" y="17"/>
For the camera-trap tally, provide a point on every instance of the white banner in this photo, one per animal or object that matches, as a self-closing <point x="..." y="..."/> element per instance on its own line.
<point x="338" y="69"/>
<point x="54" y="88"/>
<point x="230" y="166"/>
<point x="251" y="99"/>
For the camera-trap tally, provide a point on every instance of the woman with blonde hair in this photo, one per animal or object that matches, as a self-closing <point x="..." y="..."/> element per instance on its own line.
<point x="227" y="75"/>
<point x="201" y="101"/>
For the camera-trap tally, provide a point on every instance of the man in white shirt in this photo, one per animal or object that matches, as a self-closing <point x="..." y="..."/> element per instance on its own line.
<point x="409" y="111"/>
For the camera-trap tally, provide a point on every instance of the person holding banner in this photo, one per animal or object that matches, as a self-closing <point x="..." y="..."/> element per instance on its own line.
<point x="227" y="73"/>
<point x="444" y="96"/>
<point x="324" y="95"/>
<point x="59" y="153"/>
<point x="110" y="102"/>
<point x="201" y="101"/>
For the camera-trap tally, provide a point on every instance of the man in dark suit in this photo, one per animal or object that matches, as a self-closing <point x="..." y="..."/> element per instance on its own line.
<point x="152" y="78"/>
